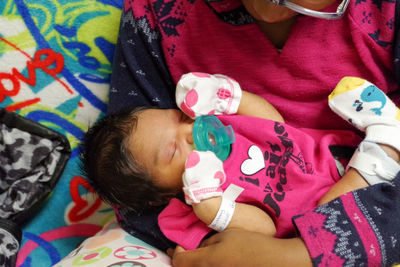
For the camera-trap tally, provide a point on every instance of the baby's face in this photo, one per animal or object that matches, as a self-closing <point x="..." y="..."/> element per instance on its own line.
<point x="161" y="142"/>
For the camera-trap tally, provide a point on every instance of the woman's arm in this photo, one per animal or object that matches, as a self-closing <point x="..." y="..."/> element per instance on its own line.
<point x="236" y="247"/>
<point x="140" y="74"/>
<point x="256" y="106"/>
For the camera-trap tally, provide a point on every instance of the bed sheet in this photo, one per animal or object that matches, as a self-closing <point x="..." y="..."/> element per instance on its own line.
<point x="55" y="66"/>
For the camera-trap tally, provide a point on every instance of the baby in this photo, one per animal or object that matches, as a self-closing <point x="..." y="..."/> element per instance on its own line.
<point x="145" y="157"/>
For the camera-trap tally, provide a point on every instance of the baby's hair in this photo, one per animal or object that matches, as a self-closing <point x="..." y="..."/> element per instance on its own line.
<point x="112" y="170"/>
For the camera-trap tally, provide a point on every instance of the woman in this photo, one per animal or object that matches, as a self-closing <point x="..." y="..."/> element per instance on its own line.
<point x="293" y="60"/>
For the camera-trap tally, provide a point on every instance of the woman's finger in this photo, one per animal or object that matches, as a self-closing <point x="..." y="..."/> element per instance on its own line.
<point x="188" y="258"/>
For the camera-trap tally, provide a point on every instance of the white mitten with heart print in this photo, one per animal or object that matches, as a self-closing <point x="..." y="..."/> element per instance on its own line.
<point x="205" y="94"/>
<point x="204" y="174"/>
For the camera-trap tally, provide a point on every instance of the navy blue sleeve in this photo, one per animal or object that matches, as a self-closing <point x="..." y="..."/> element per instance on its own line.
<point x="145" y="227"/>
<point x="357" y="229"/>
<point x="140" y="75"/>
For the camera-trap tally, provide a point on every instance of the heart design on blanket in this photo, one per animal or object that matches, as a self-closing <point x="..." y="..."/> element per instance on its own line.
<point x="254" y="163"/>
<point x="81" y="209"/>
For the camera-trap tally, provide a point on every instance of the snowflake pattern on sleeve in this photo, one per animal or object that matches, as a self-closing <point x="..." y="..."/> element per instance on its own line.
<point x="357" y="229"/>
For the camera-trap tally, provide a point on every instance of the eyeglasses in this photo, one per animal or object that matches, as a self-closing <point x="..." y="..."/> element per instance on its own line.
<point x="309" y="12"/>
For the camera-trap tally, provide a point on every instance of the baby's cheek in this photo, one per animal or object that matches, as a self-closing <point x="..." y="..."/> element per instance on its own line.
<point x="180" y="172"/>
<point x="174" y="176"/>
<point x="171" y="181"/>
<point x="177" y="183"/>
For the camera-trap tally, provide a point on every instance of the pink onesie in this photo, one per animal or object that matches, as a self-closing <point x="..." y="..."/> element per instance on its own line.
<point x="285" y="171"/>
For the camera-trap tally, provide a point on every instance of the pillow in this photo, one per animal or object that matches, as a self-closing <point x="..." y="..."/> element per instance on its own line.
<point x="113" y="247"/>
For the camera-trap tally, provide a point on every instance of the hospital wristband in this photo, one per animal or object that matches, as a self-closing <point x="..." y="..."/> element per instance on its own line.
<point x="226" y="209"/>
<point x="224" y="215"/>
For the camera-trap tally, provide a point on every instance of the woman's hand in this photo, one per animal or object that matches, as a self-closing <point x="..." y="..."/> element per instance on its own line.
<point x="236" y="247"/>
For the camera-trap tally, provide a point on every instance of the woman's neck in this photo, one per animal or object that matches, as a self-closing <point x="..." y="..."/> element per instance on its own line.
<point x="277" y="32"/>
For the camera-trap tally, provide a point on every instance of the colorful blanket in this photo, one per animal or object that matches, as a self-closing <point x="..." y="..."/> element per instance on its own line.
<point x="55" y="66"/>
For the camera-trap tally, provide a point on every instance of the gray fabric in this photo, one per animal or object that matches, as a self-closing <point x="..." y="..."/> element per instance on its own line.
<point x="9" y="246"/>
<point x="32" y="159"/>
<point x="27" y="162"/>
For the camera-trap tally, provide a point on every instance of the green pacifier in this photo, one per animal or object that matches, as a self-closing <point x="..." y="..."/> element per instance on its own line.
<point x="210" y="134"/>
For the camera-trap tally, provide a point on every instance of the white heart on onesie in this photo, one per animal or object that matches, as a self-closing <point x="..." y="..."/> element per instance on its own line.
<point x="254" y="163"/>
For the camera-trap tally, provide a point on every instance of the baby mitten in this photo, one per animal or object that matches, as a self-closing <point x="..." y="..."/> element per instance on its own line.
<point x="204" y="94"/>
<point x="203" y="176"/>
<point x="367" y="108"/>
<point x="370" y="110"/>
<point x="372" y="162"/>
